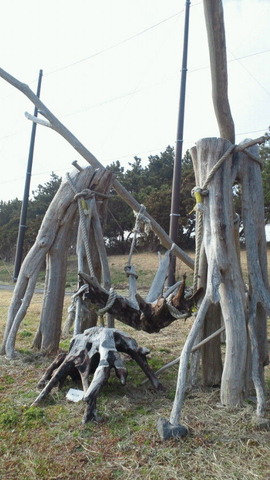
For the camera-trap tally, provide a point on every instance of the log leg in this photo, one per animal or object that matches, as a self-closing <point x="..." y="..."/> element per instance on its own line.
<point x="54" y="365"/>
<point x="120" y="369"/>
<point x="140" y="358"/>
<point x="100" y="378"/>
<point x="84" y="371"/>
<point x="59" y="376"/>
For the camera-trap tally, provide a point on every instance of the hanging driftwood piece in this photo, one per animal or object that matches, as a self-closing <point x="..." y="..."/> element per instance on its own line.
<point x="150" y="317"/>
<point x="97" y="351"/>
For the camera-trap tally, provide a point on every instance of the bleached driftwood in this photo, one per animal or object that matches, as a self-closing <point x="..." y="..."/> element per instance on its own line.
<point x="157" y="286"/>
<point x="224" y="284"/>
<point x="213" y="12"/>
<point x="96" y="351"/>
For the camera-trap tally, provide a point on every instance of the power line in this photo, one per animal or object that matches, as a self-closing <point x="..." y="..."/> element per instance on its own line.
<point x="139" y="90"/>
<point x="251" y="74"/>
<point x="115" y="45"/>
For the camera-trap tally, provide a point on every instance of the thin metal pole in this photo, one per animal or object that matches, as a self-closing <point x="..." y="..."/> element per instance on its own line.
<point x="22" y="225"/>
<point x="175" y="202"/>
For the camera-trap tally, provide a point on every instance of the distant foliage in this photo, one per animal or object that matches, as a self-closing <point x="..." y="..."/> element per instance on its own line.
<point x="151" y="186"/>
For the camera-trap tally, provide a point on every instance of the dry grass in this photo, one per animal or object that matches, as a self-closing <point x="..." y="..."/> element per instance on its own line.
<point x="49" y="442"/>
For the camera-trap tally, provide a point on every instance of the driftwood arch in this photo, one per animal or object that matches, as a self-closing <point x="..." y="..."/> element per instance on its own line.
<point x="243" y="308"/>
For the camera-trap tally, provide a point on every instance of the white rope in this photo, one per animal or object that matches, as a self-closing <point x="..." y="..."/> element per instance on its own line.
<point x="141" y="219"/>
<point x="110" y="301"/>
<point x="218" y="165"/>
<point x="83" y="289"/>
<point x="83" y="223"/>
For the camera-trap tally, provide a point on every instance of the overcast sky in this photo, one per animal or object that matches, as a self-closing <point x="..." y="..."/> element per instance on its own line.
<point x="111" y="74"/>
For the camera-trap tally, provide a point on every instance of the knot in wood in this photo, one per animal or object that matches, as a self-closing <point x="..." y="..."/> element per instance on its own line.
<point x="43" y="242"/>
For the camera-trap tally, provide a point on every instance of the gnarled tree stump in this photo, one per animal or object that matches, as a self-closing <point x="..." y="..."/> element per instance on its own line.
<point x="96" y="351"/>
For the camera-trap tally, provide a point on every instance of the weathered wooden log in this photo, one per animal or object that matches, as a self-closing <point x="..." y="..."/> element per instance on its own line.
<point x="150" y="317"/>
<point x="96" y="351"/>
<point x="213" y="11"/>
<point x="249" y="175"/>
<point x="224" y="280"/>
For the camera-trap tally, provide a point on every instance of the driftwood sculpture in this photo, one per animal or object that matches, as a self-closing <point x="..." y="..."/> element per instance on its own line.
<point x="218" y="164"/>
<point x="96" y="351"/>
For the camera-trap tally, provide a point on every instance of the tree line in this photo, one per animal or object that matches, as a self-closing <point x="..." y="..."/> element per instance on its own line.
<point x="151" y="186"/>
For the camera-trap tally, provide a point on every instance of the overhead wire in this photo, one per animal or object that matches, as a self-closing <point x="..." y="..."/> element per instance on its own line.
<point x="117" y="44"/>
<point x="249" y="73"/>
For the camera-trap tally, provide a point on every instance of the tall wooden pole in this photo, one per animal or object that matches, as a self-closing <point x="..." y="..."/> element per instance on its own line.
<point x="22" y="225"/>
<point x="175" y="203"/>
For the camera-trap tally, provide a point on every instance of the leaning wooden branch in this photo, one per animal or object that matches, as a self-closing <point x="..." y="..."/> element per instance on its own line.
<point x="90" y="158"/>
<point x="196" y="347"/>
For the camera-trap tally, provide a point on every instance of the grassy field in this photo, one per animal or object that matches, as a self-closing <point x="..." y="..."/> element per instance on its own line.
<point x="49" y="442"/>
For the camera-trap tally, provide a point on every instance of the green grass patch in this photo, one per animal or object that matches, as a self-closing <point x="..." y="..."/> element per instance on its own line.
<point x="25" y="334"/>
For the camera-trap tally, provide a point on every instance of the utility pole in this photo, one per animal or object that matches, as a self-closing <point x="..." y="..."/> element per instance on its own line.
<point x="22" y="225"/>
<point x="175" y="203"/>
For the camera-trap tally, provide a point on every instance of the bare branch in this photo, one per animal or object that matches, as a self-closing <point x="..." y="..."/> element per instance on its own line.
<point x="214" y="19"/>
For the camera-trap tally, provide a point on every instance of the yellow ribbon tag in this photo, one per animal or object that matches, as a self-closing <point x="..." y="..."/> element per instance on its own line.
<point x="198" y="197"/>
<point x="84" y="206"/>
<point x="199" y="201"/>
